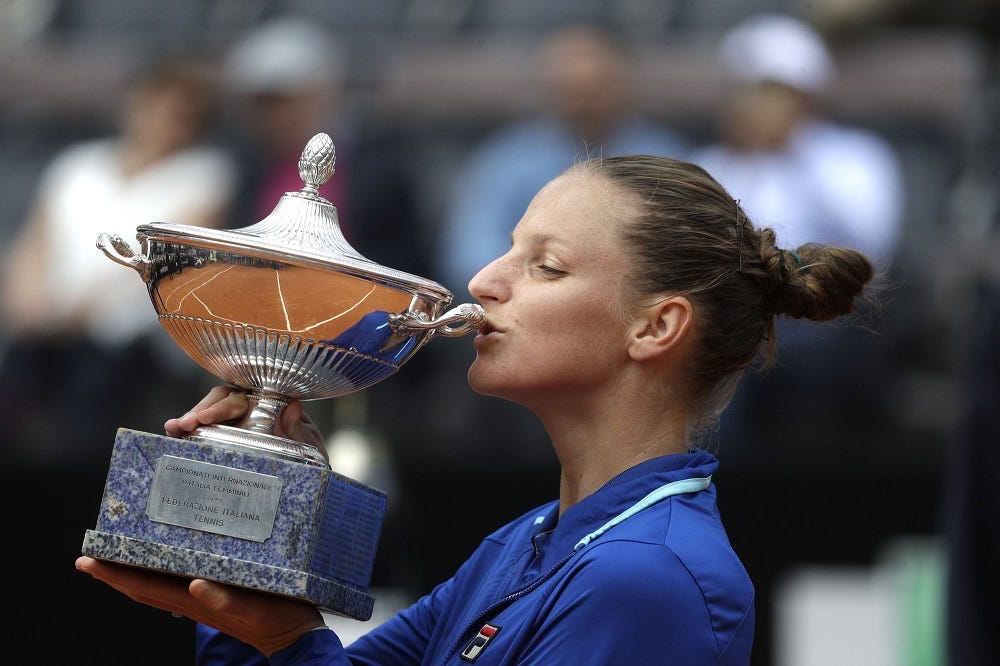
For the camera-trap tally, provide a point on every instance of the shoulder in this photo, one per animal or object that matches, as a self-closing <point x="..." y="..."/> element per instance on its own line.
<point x="84" y="154"/>
<point x="514" y="139"/>
<point x="704" y="574"/>
<point x="658" y="593"/>
<point x="844" y="142"/>
<point x="203" y="172"/>
<point x="639" y="135"/>
<point x="519" y="158"/>
<point x="677" y="555"/>
<point x="619" y="569"/>
<point x="709" y="156"/>
<point x="206" y="158"/>
<point x="78" y="166"/>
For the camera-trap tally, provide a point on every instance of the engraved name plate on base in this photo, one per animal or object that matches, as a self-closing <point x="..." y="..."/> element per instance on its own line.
<point x="239" y="517"/>
<point x="214" y="498"/>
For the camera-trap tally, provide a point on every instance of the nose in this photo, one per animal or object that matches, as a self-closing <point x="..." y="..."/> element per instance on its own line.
<point x="488" y="283"/>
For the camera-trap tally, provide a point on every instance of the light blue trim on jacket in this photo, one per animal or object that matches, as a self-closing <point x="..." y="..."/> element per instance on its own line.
<point x="675" y="488"/>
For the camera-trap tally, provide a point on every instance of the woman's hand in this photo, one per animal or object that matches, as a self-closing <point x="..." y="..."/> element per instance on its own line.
<point x="225" y="404"/>
<point x="267" y="622"/>
<point x="222" y="404"/>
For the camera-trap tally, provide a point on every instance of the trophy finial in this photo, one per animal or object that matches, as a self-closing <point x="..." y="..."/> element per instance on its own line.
<point x="316" y="166"/>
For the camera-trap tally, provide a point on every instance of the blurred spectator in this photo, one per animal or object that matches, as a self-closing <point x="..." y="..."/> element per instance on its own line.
<point x="287" y="79"/>
<point x="82" y="331"/>
<point x="791" y="167"/>
<point x="808" y="177"/>
<point x="844" y="15"/>
<point x="588" y="111"/>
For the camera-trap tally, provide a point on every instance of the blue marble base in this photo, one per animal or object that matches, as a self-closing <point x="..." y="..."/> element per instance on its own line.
<point x="317" y="545"/>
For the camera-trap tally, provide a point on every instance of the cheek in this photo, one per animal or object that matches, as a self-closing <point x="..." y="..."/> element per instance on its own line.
<point x="576" y="340"/>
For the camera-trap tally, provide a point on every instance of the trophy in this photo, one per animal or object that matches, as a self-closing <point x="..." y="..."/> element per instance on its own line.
<point x="283" y="309"/>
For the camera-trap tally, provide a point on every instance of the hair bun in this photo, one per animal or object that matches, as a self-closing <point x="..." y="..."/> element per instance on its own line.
<point x="814" y="281"/>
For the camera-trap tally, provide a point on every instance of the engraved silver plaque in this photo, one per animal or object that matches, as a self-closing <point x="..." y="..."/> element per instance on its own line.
<point x="214" y="498"/>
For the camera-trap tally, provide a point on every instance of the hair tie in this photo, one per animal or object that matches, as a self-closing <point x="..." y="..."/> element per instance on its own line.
<point x="739" y="222"/>
<point x="799" y="264"/>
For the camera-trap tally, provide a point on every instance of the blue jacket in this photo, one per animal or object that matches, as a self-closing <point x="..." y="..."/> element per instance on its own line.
<point x="640" y="572"/>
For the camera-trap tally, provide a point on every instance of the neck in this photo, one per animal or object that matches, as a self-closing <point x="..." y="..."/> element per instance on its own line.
<point x="137" y="156"/>
<point x="596" y="445"/>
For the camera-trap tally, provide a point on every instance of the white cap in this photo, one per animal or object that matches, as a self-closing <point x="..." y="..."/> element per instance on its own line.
<point x="284" y="55"/>
<point x="775" y="47"/>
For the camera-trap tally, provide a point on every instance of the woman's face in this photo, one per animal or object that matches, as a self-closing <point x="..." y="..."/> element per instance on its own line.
<point x="764" y="116"/>
<point x="556" y="327"/>
<point x="166" y="117"/>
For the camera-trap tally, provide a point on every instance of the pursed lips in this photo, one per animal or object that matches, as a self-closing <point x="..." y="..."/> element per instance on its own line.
<point x="488" y="330"/>
<point x="489" y="327"/>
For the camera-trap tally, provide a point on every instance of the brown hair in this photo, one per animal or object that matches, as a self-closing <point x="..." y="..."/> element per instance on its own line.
<point x="691" y="238"/>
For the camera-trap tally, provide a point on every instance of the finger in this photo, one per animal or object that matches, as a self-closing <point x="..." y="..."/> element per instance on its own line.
<point x="217" y="394"/>
<point x="233" y="406"/>
<point x="214" y="596"/>
<point x="178" y="427"/>
<point x="290" y="416"/>
<point x="230" y="609"/>
<point x="173" y="427"/>
<point x="221" y="405"/>
<point x="296" y="424"/>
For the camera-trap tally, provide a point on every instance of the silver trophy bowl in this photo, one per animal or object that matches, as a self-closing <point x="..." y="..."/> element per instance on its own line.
<point x="285" y="308"/>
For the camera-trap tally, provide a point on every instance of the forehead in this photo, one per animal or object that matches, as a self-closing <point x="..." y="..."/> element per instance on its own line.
<point x="580" y="205"/>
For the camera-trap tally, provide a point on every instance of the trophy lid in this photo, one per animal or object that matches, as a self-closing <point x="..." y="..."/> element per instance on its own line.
<point x="303" y="227"/>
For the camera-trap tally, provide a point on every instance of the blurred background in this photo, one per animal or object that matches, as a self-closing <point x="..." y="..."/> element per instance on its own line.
<point x="856" y="477"/>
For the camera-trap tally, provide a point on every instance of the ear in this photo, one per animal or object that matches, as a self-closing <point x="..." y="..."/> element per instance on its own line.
<point x="660" y="328"/>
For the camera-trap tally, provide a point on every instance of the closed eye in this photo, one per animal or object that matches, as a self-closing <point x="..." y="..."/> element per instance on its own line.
<point x="549" y="271"/>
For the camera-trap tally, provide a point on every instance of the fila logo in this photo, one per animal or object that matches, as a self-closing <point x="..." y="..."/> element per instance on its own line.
<point x="478" y="644"/>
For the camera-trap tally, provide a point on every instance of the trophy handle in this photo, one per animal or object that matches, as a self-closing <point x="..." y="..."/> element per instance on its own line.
<point x="460" y="320"/>
<point x="121" y="252"/>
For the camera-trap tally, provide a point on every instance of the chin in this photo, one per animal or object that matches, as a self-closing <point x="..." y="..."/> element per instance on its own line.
<point x="483" y="382"/>
<point x="477" y="381"/>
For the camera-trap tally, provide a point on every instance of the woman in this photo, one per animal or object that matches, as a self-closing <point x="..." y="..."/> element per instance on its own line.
<point x="81" y="337"/>
<point x="634" y="294"/>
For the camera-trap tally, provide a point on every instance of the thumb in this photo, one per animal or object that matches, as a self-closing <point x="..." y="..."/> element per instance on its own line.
<point x="214" y="596"/>
<point x="291" y="415"/>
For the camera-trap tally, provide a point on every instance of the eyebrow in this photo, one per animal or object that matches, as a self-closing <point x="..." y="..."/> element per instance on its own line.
<point x="536" y="239"/>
